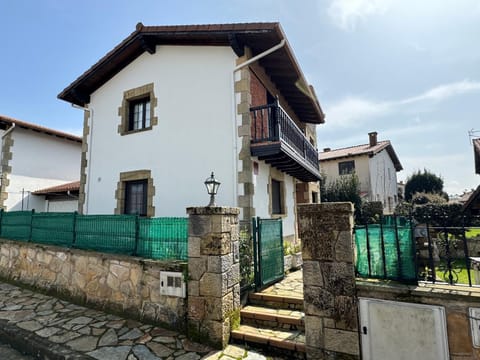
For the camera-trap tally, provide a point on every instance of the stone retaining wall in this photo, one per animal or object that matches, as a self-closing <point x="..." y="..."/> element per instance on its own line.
<point x="116" y="282"/>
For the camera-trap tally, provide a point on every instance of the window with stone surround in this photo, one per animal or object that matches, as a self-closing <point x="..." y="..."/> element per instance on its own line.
<point x="135" y="193"/>
<point x="137" y="110"/>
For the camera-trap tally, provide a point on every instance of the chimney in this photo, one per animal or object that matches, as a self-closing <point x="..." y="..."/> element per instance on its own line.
<point x="326" y="149"/>
<point x="372" y="136"/>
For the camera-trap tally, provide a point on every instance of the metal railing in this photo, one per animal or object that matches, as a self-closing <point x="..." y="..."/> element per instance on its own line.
<point x="395" y="249"/>
<point x="271" y="123"/>
<point x="153" y="238"/>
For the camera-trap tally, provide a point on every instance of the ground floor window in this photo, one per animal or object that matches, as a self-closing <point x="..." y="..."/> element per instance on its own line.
<point x="136" y="197"/>
<point x="135" y="193"/>
<point x="276" y="196"/>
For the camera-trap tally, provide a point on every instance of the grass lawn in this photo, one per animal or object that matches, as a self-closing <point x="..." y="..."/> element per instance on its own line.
<point x="472" y="232"/>
<point x="461" y="271"/>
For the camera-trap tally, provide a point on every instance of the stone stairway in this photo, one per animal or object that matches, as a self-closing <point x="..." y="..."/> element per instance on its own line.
<point x="275" y="321"/>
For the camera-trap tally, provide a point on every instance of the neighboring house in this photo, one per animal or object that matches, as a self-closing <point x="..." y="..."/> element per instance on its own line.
<point x="376" y="165"/>
<point x="170" y="104"/>
<point x="34" y="157"/>
<point x="60" y="198"/>
<point x="476" y="152"/>
<point x="472" y="205"/>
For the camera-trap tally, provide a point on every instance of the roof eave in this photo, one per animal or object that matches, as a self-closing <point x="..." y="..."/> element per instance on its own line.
<point x="234" y="35"/>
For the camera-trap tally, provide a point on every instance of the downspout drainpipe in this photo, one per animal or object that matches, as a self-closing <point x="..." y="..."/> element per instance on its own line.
<point x="261" y="55"/>
<point x="9" y="130"/>
<point x="239" y="67"/>
<point x="235" y="141"/>
<point x="89" y="161"/>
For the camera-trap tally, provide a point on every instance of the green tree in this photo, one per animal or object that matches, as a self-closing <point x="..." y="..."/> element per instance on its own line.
<point x="345" y="188"/>
<point x="423" y="182"/>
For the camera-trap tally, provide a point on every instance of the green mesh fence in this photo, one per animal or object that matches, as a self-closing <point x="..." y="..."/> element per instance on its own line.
<point x="16" y="225"/>
<point x="53" y="228"/>
<point x="163" y="238"/>
<point x="106" y="233"/>
<point x="387" y="252"/>
<point x="158" y="238"/>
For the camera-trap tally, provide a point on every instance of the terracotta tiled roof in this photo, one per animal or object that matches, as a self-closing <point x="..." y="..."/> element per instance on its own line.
<point x="5" y="120"/>
<point x="281" y="65"/>
<point x="358" y="150"/>
<point x="72" y="186"/>
<point x="476" y="149"/>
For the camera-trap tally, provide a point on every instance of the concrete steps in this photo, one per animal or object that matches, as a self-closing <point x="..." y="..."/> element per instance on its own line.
<point x="274" y="321"/>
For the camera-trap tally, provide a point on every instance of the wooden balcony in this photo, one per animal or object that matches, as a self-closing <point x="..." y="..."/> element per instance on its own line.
<point x="278" y="141"/>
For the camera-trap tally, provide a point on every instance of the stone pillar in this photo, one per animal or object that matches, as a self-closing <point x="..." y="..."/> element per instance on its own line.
<point x="214" y="274"/>
<point x="331" y="323"/>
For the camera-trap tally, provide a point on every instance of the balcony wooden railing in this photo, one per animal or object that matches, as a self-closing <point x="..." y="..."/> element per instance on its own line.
<point x="270" y="123"/>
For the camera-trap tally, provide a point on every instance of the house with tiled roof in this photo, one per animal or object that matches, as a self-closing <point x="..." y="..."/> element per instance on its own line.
<point x="376" y="164"/>
<point x="170" y="104"/>
<point x="34" y="157"/>
<point x="476" y="153"/>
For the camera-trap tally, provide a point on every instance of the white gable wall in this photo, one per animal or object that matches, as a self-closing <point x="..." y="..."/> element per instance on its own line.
<point x="195" y="134"/>
<point x="39" y="161"/>
<point x="383" y="180"/>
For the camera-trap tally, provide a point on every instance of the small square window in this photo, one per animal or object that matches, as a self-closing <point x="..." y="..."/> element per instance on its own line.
<point x="346" y="167"/>
<point x="139" y="114"/>
<point x="136" y="197"/>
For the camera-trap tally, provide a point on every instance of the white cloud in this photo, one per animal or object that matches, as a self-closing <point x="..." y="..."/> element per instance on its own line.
<point x="445" y="91"/>
<point x="347" y="13"/>
<point x="351" y="109"/>
<point x="347" y="111"/>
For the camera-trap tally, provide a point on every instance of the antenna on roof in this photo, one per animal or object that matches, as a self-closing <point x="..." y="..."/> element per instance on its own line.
<point x="473" y="134"/>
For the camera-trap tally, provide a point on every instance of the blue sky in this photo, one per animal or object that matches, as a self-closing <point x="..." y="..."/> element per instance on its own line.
<point x="408" y="69"/>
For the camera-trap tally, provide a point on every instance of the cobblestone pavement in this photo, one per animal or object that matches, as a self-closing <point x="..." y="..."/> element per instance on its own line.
<point x="49" y="326"/>
<point x="291" y="285"/>
<point x="7" y="353"/>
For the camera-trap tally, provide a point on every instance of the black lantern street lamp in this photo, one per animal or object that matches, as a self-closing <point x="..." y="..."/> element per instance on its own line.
<point x="212" y="185"/>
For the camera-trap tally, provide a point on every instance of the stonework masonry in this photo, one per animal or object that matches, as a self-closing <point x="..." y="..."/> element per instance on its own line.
<point x="83" y="163"/>
<point x="245" y="173"/>
<point x="7" y="155"/>
<point x="214" y="274"/>
<point x="331" y="323"/>
<point x="120" y="283"/>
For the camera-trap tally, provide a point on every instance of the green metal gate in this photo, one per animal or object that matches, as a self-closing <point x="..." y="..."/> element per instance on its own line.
<point x="268" y="247"/>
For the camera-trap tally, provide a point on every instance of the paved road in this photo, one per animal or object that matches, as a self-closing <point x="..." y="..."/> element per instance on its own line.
<point x="7" y="353"/>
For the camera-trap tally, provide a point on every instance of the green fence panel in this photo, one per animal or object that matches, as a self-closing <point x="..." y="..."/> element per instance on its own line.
<point x="163" y="238"/>
<point x="16" y="225"/>
<point x="106" y="233"/>
<point x="53" y="228"/>
<point x="270" y="243"/>
<point x="399" y="257"/>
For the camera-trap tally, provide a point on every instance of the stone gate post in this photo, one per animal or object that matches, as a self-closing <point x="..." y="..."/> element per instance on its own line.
<point x="214" y="273"/>
<point x="331" y="323"/>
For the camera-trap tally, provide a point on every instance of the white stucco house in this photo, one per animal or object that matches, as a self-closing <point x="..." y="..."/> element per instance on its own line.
<point x="34" y="157"/>
<point x="376" y="164"/>
<point x="170" y="104"/>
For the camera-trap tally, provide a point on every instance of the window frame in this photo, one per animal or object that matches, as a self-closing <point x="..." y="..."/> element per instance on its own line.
<point x="128" y="194"/>
<point x="277" y="191"/>
<point x="130" y="98"/>
<point x="348" y="165"/>
<point x="145" y="102"/>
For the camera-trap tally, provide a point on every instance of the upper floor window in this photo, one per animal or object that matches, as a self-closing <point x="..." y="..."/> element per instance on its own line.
<point x="346" y="167"/>
<point x="137" y="110"/>
<point x="139" y="114"/>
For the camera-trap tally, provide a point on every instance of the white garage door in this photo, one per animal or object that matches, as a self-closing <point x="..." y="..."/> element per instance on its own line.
<point x="402" y="331"/>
